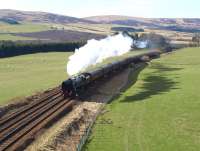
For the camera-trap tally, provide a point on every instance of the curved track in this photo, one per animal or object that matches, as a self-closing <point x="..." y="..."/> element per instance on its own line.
<point x="17" y="129"/>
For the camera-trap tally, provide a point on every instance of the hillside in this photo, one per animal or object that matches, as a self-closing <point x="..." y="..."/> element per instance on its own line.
<point x="175" y="24"/>
<point x="13" y="22"/>
<point x="37" y="17"/>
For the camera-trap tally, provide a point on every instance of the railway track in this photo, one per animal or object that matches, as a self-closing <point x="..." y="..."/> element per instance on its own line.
<point x="17" y="129"/>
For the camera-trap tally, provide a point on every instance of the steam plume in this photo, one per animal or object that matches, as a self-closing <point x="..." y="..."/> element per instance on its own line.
<point x="95" y="51"/>
<point x="140" y="44"/>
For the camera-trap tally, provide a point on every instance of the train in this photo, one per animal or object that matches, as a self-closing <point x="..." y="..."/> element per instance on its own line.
<point x="71" y="86"/>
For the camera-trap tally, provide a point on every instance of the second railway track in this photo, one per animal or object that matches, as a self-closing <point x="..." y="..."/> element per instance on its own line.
<point x="18" y="128"/>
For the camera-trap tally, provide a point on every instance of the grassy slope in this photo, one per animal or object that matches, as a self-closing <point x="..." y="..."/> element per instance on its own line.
<point x="7" y="29"/>
<point x="159" y="112"/>
<point x="23" y="27"/>
<point x="23" y="75"/>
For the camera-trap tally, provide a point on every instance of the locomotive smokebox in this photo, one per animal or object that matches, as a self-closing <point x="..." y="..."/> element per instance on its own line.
<point x="67" y="86"/>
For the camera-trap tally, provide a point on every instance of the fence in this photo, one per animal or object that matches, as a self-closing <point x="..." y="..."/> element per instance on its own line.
<point x="88" y="129"/>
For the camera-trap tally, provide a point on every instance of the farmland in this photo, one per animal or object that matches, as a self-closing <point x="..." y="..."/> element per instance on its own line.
<point x="23" y="27"/>
<point x="78" y="31"/>
<point x="61" y="35"/>
<point x="159" y="112"/>
<point x="7" y="31"/>
<point x="51" y="32"/>
<point x="24" y="75"/>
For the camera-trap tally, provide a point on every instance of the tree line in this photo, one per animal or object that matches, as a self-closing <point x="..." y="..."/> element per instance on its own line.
<point x="10" y="48"/>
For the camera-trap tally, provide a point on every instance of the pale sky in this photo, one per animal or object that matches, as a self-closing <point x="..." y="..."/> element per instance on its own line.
<point x="84" y="8"/>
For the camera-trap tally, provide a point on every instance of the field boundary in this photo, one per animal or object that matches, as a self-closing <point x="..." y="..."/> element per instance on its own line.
<point x="88" y="129"/>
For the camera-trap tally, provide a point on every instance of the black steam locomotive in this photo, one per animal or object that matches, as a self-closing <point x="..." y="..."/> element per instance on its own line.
<point x="71" y="86"/>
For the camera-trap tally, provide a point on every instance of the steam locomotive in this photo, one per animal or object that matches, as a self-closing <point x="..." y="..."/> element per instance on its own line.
<point x="71" y="86"/>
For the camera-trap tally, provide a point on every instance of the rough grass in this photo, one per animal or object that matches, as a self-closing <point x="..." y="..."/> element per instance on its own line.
<point x="160" y="112"/>
<point x="23" y="75"/>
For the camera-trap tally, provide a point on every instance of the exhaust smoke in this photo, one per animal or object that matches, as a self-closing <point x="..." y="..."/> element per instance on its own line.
<point x="141" y="44"/>
<point x="95" y="51"/>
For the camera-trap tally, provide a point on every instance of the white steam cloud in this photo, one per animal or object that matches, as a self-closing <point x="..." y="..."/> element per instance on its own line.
<point x="140" y="44"/>
<point x="95" y="51"/>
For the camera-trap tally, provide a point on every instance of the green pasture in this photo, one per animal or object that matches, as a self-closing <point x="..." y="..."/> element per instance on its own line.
<point x="23" y="27"/>
<point x="7" y="30"/>
<point x="160" y="112"/>
<point x="23" y="75"/>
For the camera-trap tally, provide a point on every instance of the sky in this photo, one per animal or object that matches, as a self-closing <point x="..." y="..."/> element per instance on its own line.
<point x="85" y="8"/>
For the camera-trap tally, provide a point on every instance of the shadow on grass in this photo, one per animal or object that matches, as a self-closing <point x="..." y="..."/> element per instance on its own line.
<point x="155" y="83"/>
<point x="162" y="68"/>
<point x="131" y="80"/>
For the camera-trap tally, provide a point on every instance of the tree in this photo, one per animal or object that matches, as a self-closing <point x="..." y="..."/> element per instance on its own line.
<point x="196" y="39"/>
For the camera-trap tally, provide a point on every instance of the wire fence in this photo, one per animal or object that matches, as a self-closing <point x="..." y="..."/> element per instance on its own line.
<point x="88" y="129"/>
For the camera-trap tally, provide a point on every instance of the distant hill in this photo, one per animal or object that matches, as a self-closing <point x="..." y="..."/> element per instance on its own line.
<point x="38" y="17"/>
<point x="175" y="24"/>
<point x="112" y="18"/>
<point x="172" y="24"/>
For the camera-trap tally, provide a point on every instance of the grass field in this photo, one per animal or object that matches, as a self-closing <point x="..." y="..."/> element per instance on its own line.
<point x="21" y="76"/>
<point x="160" y="112"/>
<point x="6" y="30"/>
<point x="23" y="27"/>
